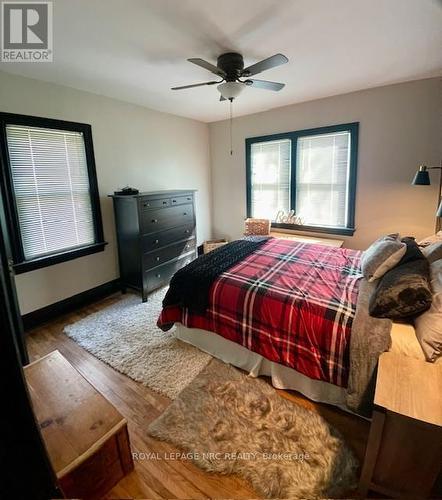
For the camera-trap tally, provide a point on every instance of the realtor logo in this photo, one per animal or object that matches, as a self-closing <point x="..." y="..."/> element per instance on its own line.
<point x="26" y="32"/>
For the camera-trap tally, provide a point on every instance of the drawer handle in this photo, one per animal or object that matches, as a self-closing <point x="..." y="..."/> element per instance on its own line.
<point x="188" y="199"/>
<point x="187" y="231"/>
<point x="147" y="204"/>
<point x="154" y="221"/>
<point x="173" y="201"/>
<point x="164" y="202"/>
<point x="156" y="242"/>
<point x="158" y="275"/>
<point x="157" y="259"/>
<point x="184" y="213"/>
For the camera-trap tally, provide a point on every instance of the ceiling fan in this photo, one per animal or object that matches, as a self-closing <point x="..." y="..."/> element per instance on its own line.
<point x="234" y="77"/>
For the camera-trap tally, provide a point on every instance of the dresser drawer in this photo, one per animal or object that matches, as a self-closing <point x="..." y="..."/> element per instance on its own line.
<point x="181" y="200"/>
<point x="161" y="275"/>
<point x="153" y="241"/>
<point x="149" y="204"/>
<point x="165" y="218"/>
<point x="162" y="255"/>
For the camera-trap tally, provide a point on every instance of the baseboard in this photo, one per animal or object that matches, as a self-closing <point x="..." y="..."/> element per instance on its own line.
<point x="48" y="313"/>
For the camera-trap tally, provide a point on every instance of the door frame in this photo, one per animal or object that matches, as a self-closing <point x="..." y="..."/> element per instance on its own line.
<point x="26" y="471"/>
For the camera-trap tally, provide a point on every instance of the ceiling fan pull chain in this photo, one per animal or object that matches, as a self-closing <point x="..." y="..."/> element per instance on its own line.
<point x="231" y="127"/>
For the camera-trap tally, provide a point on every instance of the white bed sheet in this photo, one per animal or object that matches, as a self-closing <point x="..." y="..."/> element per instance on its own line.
<point x="282" y="376"/>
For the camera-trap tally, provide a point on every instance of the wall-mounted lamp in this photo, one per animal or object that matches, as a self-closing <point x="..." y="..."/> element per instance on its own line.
<point x="422" y="178"/>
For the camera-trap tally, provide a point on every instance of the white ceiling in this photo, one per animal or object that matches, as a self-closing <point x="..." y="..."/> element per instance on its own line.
<point x="135" y="50"/>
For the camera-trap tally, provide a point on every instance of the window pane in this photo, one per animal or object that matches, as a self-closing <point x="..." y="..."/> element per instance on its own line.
<point x="322" y="175"/>
<point x="51" y="185"/>
<point x="270" y="172"/>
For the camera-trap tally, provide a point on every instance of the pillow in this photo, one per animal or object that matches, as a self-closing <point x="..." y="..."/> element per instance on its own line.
<point x="428" y="326"/>
<point x="412" y="252"/>
<point x="381" y="256"/>
<point x="403" y="292"/>
<point x="433" y="252"/>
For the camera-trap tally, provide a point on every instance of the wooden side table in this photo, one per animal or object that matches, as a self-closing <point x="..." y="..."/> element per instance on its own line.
<point x="404" y="451"/>
<point x="86" y="437"/>
<point x="307" y="239"/>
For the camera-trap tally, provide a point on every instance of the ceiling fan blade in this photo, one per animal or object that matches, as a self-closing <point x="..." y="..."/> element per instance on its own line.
<point x="221" y="98"/>
<point x="270" y="62"/>
<point x="264" y="84"/>
<point x="206" y="65"/>
<point x="193" y="85"/>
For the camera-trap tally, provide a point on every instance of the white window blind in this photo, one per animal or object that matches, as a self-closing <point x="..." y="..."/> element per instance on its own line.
<point x="52" y="192"/>
<point x="322" y="179"/>
<point x="270" y="178"/>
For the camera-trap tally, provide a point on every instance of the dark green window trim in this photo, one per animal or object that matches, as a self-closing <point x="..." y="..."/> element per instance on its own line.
<point x="20" y="264"/>
<point x="57" y="258"/>
<point x="353" y="128"/>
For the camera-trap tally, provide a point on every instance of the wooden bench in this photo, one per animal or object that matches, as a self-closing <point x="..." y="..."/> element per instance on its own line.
<point x="86" y="437"/>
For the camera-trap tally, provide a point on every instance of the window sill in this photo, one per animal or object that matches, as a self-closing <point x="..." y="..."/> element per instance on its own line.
<point x="344" y="231"/>
<point x="49" y="260"/>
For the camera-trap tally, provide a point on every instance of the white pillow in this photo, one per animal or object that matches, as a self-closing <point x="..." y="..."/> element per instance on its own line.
<point x="429" y="324"/>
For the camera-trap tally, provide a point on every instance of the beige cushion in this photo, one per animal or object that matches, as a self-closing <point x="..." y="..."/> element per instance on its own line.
<point x="381" y="256"/>
<point x="433" y="252"/>
<point x="429" y="324"/>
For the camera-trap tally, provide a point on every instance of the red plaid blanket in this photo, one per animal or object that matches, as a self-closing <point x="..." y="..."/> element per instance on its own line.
<point x="291" y="302"/>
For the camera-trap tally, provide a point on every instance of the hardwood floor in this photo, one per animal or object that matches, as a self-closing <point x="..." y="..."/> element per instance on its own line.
<point x="163" y="478"/>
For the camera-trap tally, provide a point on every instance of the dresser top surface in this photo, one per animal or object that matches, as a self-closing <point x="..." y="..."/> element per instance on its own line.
<point x="155" y="193"/>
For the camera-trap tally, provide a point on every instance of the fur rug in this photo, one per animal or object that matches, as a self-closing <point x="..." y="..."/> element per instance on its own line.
<point x="234" y="424"/>
<point x="126" y="337"/>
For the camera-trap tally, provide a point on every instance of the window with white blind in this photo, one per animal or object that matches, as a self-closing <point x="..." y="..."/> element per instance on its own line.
<point x="52" y="183"/>
<point x="322" y="179"/>
<point x="270" y="177"/>
<point x="310" y="173"/>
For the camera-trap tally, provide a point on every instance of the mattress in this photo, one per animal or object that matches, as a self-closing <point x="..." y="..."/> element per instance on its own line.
<point x="403" y="341"/>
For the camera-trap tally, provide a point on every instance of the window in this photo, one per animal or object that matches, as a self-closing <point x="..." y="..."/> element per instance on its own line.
<point x="270" y="178"/>
<point x="48" y="173"/>
<point x="310" y="172"/>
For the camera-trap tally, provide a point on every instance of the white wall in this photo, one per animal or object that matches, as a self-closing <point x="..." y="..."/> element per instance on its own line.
<point x="133" y="145"/>
<point x="400" y="127"/>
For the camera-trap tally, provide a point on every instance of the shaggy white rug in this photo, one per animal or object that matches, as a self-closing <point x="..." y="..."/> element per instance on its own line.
<point x="126" y="337"/>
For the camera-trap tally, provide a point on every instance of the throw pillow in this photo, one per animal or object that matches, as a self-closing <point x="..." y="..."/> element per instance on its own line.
<point x="404" y="292"/>
<point x="433" y="252"/>
<point x="381" y="256"/>
<point x="429" y="325"/>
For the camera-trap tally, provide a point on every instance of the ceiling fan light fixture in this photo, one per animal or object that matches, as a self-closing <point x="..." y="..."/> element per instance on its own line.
<point x="230" y="90"/>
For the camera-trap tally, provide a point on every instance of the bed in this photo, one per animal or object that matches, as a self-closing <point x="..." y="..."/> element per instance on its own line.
<point x="292" y="310"/>
<point x="403" y="341"/>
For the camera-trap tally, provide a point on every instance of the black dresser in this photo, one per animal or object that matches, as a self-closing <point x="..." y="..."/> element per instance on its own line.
<point x="156" y="234"/>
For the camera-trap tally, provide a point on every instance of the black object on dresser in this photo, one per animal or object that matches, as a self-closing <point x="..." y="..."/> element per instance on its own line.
<point x="156" y="234"/>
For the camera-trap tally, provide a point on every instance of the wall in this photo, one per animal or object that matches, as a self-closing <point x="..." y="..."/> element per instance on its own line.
<point x="400" y="127"/>
<point x="133" y="145"/>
